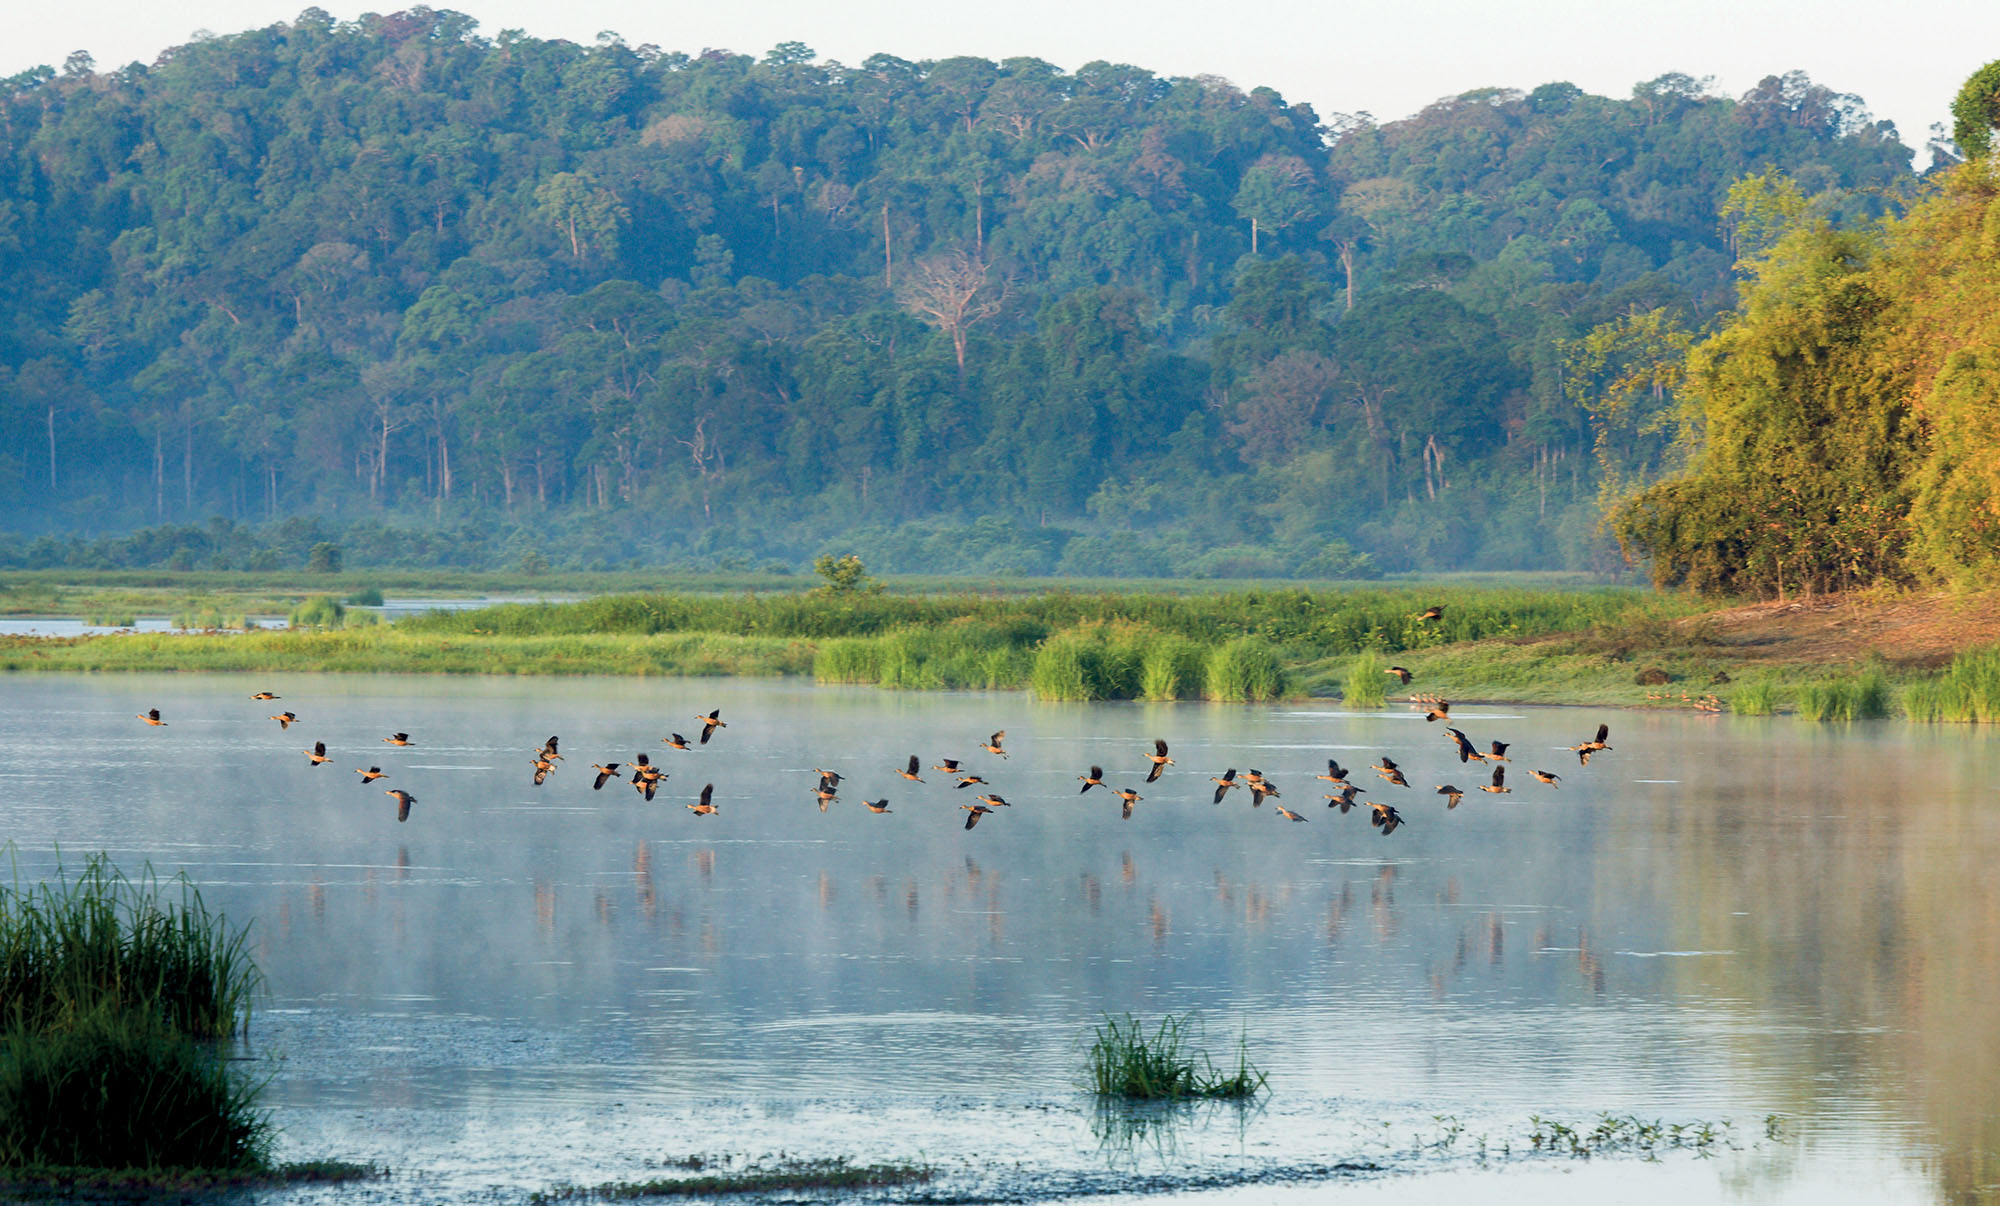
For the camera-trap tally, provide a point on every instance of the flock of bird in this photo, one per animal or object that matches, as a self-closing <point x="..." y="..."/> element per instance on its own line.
<point x="645" y="776"/>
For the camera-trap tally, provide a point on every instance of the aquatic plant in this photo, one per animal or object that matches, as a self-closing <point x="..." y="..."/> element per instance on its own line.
<point x="111" y="619"/>
<point x="119" y="1087"/>
<point x="1126" y="1061"/>
<point x="1848" y="697"/>
<point x="1629" y="1133"/>
<point x="1967" y="691"/>
<point x="72" y="948"/>
<point x="367" y="596"/>
<point x="1756" y="697"/>
<point x="1172" y="667"/>
<point x="782" y="1176"/>
<point x="1245" y="670"/>
<point x="1366" y="684"/>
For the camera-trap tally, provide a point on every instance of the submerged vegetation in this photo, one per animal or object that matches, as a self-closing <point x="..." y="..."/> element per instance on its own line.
<point x="780" y="1176"/>
<point x="1126" y="1061"/>
<point x="117" y="1003"/>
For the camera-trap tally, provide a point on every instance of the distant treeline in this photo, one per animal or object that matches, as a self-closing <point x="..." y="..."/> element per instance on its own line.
<point x="608" y="305"/>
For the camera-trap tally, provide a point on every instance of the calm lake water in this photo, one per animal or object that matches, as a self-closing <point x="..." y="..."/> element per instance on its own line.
<point x="1719" y="920"/>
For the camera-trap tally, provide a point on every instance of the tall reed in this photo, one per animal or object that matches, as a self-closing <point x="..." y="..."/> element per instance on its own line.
<point x="1756" y="697"/>
<point x="118" y="1089"/>
<point x="1849" y="697"/>
<point x="71" y="948"/>
<point x="1365" y="685"/>
<point x="1968" y="691"/>
<point x="1245" y="670"/>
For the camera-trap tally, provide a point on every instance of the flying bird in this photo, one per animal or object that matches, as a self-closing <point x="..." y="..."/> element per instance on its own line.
<point x="608" y="770"/>
<point x="1288" y="814"/>
<point x="1452" y="796"/>
<point x="1431" y="614"/>
<point x="1402" y="676"/>
<point x="973" y="813"/>
<point x="371" y="774"/>
<point x="285" y="719"/>
<point x="1499" y="784"/>
<point x="1261" y="789"/>
<point x="709" y="724"/>
<point x="399" y="739"/>
<point x="1441" y="710"/>
<point x="1343" y="799"/>
<point x="403" y="801"/>
<point x="910" y="772"/>
<point x="1223" y="784"/>
<point x="995" y="801"/>
<point x="992" y="745"/>
<point x="263" y="695"/>
<point x="705" y="807"/>
<point x="1159" y="759"/>
<point x="1548" y="777"/>
<point x="1465" y="751"/>
<point x="677" y="741"/>
<point x="1336" y="774"/>
<point x="1129" y="797"/>
<point x="1094" y="779"/>
<point x="317" y="754"/>
<point x="881" y="805"/>
<point x="150" y="716"/>
<point x="1385" y="818"/>
<point x="1498" y="752"/>
<point x="549" y="749"/>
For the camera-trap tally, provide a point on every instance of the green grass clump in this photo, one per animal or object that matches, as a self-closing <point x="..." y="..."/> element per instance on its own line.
<point x="318" y="611"/>
<point x="367" y="596"/>
<point x="113" y="997"/>
<point x="1125" y="1061"/>
<point x="1245" y="670"/>
<point x="1863" y="696"/>
<point x="111" y="619"/>
<point x="1967" y="692"/>
<point x="1172" y="667"/>
<point x="1366" y="684"/>
<point x="71" y="948"/>
<point x="785" y="1176"/>
<point x="1757" y="697"/>
<point x="120" y="1088"/>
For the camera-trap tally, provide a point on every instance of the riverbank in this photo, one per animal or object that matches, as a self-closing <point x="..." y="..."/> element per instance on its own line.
<point x="1618" y="647"/>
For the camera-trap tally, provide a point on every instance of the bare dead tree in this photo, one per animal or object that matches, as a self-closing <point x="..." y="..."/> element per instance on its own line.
<point x="954" y="293"/>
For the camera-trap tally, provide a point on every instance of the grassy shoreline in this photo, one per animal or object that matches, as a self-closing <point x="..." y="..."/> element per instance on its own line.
<point x="1617" y="647"/>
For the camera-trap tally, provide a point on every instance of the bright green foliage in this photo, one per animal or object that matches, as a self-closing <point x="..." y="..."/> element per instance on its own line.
<point x="1366" y="684"/>
<point x="844" y="575"/>
<point x="1863" y="696"/>
<point x="1975" y="112"/>
<point x="1967" y="691"/>
<point x="318" y="611"/>
<point x="1245" y="670"/>
<point x="1839" y="426"/>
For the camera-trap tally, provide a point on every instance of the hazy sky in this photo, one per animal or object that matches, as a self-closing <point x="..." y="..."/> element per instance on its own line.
<point x="1906" y="59"/>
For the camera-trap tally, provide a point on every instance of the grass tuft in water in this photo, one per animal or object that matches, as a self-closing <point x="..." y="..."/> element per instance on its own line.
<point x="1245" y="670"/>
<point x="1366" y="684"/>
<point x="782" y="1176"/>
<point x="72" y="948"/>
<point x="1757" y="697"/>
<point x="1863" y="696"/>
<point x="1966" y="692"/>
<point x="1125" y="1061"/>
<point x="120" y="1088"/>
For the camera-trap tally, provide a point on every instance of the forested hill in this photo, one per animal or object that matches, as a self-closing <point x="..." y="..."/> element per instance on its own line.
<point x="620" y="305"/>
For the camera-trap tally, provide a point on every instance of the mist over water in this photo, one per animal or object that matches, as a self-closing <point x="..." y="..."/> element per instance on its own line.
<point x="1718" y="919"/>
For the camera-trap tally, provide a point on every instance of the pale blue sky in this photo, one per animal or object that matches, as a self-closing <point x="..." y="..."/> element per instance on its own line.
<point x="1390" y="59"/>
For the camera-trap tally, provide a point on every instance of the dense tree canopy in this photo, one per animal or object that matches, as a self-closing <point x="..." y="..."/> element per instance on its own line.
<point x="1840" y="425"/>
<point x="627" y="305"/>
